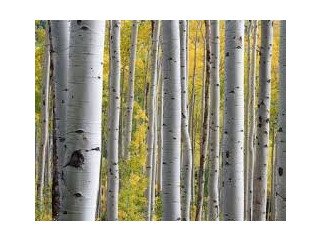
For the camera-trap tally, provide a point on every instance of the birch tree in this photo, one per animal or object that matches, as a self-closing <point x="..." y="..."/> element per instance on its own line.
<point x="234" y="122"/>
<point x="171" y="121"/>
<point x="60" y="33"/>
<point x="205" y="124"/>
<point x="251" y="119"/>
<point x="247" y="118"/>
<point x="130" y="101"/>
<point x="260" y="165"/>
<point x="280" y="174"/>
<point x="81" y="166"/>
<point x="114" y="113"/>
<point x="214" y="122"/>
<point x="152" y="115"/>
<point x="187" y="148"/>
<point x="44" y="116"/>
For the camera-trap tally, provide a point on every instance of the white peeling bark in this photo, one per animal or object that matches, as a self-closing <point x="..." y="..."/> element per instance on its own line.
<point x="234" y="122"/>
<point x="130" y="101"/>
<point x="160" y="134"/>
<point x="152" y="115"/>
<point x="44" y="116"/>
<point x="187" y="148"/>
<point x="171" y="121"/>
<point x="114" y="113"/>
<point x="262" y="148"/>
<point x="280" y="174"/>
<point x="81" y="167"/>
<point x="60" y="34"/>
<point x="214" y="139"/>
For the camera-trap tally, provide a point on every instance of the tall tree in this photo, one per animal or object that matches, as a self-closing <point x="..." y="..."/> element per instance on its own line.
<point x="214" y="122"/>
<point x="262" y="149"/>
<point x="205" y="125"/>
<point x="80" y="172"/>
<point x="252" y="123"/>
<point x="130" y="101"/>
<point x="234" y="122"/>
<point x="246" y="115"/>
<point x="187" y="148"/>
<point x="280" y="174"/>
<point x="114" y="113"/>
<point x="44" y="116"/>
<point x="60" y="33"/>
<point x="152" y="115"/>
<point x="171" y="121"/>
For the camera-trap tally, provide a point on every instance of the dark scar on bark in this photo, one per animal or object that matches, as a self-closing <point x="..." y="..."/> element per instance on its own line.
<point x="76" y="159"/>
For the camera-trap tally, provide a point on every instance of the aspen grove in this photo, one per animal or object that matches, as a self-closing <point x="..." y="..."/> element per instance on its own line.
<point x="160" y="120"/>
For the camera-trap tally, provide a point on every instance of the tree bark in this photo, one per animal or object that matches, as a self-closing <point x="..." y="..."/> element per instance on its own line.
<point x="81" y="165"/>
<point x="152" y="115"/>
<point x="60" y="33"/>
<point x="187" y="148"/>
<point x="214" y="122"/>
<point x="280" y="175"/>
<point x="171" y="121"/>
<point x="234" y="122"/>
<point x="260" y="166"/>
<point x="114" y="113"/>
<point x="130" y="101"/>
<point x="247" y="119"/>
<point x="252" y="125"/>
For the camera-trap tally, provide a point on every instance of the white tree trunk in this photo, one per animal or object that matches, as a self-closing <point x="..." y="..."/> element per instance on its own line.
<point x="152" y="115"/>
<point x="81" y="167"/>
<point x="160" y="138"/>
<point x="187" y="148"/>
<point x="44" y="116"/>
<point x="247" y="118"/>
<point x="130" y="101"/>
<point x="262" y="150"/>
<point x="280" y="174"/>
<point x="114" y="113"/>
<point x="214" y="122"/>
<point x="234" y="122"/>
<point x="60" y="33"/>
<point x="171" y="121"/>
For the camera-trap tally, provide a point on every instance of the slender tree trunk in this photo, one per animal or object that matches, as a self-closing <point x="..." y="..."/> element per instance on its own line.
<point x="191" y="110"/>
<point x="260" y="166"/>
<point x="252" y="126"/>
<point x="280" y="175"/>
<point x="114" y="113"/>
<point x="247" y="120"/>
<point x="80" y="172"/>
<point x="214" y="122"/>
<point x="171" y="121"/>
<point x="187" y="148"/>
<point x="234" y="122"/>
<point x="205" y="125"/>
<point x="60" y="33"/>
<point x="129" y="110"/>
<point x="160" y="139"/>
<point x="154" y="160"/>
<point x="44" y="116"/>
<point x="152" y="115"/>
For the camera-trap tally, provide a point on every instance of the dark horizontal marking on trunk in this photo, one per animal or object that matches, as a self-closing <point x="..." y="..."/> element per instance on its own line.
<point x="77" y="195"/>
<point x="85" y="28"/>
<point x="79" y="131"/>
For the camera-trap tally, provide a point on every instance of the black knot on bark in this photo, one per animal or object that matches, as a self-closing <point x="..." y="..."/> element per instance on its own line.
<point x="280" y="171"/>
<point x="76" y="159"/>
